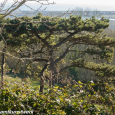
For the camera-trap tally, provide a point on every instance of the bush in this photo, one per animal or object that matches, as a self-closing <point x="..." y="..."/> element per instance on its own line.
<point x="79" y="99"/>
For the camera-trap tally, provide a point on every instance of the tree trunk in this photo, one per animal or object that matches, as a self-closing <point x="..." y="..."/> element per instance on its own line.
<point x="50" y="76"/>
<point x="51" y="69"/>
<point x="41" y="84"/>
<point x="53" y="80"/>
<point x="2" y="67"/>
<point x="42" y="79"/>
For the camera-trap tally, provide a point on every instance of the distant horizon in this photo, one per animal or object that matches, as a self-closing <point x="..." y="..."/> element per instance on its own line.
<point x="67" y="10"/>
<point x="64" y="5"/>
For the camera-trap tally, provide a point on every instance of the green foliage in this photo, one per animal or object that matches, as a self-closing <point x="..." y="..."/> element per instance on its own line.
<point x="40" y="38"/>
<point x="38" y="16"/>
<point x="104" y="52"/>
<point x="71" y="100"/>
<point x="49" y="40"/>
<point x="74" y="72"/>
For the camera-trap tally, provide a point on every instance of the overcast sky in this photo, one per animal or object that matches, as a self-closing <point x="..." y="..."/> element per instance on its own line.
<point x="94" y="4"/>
<point x="102" y="5"/>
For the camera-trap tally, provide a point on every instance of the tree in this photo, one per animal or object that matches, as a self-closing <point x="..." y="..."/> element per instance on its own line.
<point x="16" y="4"/>
<point x="86" y="12"/>
<point x="6" y="11"/>
<point x="53" y="35"/>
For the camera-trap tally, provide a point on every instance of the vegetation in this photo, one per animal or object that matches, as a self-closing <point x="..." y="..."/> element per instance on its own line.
<point x="78" y="99"/>
<point x="52" y="51"/>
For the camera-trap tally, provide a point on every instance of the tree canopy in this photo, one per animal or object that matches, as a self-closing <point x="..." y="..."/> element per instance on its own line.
<point x="49" y="40"/>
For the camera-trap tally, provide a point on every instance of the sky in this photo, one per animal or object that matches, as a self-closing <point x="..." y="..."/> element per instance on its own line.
<point x="93" y="4"/>
<point x="102" y="5"/>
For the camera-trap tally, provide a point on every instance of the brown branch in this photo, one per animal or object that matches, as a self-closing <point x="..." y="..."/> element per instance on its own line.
<point x="37" y="60"/>
<point x="2" y="5"/>
<point x="42" y="71"/>
<point x="43" y="40"/>
<point x="105" y="68"/>
<point x="62" y="56"/>
<point x="38" y="52"/>
<point x="64" y="40"/>
<point x="63" y="69"/>
<point x="6" y="14"/>
<point x="51" y="32"/>
<point x="17" y="5"/>
<point x="11" y="6"/>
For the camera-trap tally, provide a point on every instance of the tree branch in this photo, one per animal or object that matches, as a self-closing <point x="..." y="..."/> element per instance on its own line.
<point x="43" y="40"/>
<point x="62" y="56"/>
<point x="40" y="59"/>
<point x="42" y="71"/>
<point x="64" y="40"/>
<point x="108" y="70"/>
<point x="6" y="14"/>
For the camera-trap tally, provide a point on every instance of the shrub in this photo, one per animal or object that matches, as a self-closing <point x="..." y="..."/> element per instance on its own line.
<point x="79" y="99"/>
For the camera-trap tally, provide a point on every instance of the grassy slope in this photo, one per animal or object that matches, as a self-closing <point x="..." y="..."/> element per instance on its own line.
<point x="33" y="83"/>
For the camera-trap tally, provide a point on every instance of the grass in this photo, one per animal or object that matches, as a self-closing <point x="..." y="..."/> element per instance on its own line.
<point x="32" y="82"/>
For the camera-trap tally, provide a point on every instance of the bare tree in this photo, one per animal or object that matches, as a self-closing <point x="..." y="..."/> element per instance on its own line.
<point x="78" y="11"/>
<point x="16" y="4"/>
<point x="86" y="12"/>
